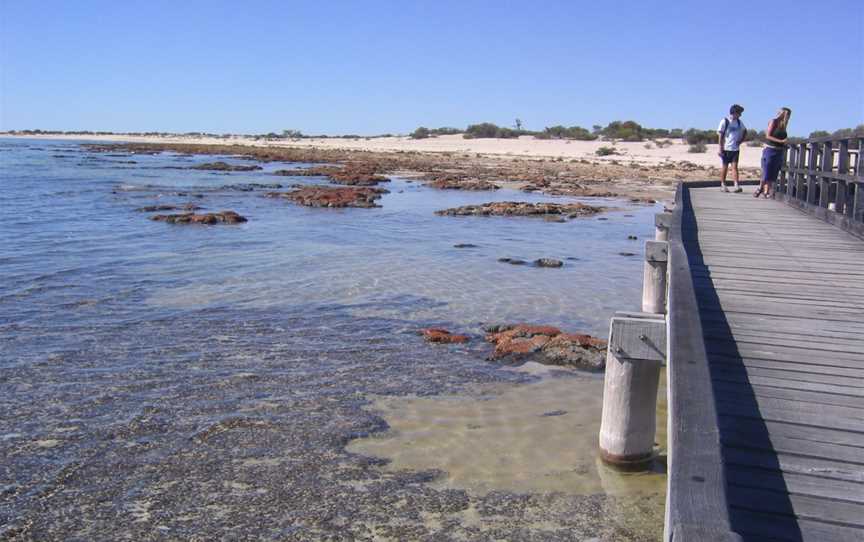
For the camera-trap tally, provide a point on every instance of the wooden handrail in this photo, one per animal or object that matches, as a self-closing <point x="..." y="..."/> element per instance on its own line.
<point x="825" y="177"/>
<point x="696" y="504"/>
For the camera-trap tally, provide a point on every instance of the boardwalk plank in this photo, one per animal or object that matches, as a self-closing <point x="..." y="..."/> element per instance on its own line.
<point x="785" y="346"/>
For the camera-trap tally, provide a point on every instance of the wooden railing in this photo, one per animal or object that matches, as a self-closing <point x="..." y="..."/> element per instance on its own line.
<point x="825" y="176"/>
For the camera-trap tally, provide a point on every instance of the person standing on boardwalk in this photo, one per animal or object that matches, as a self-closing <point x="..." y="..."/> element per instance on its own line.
<point x="772" y="154"/>
<point x="731" y="134"/>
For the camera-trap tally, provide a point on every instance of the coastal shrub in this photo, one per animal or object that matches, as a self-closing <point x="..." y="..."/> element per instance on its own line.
<point x="694" y="136"/>
<point x="606" y="151"/>
<point x="819" y="133"/>
<point x="698" y="148"/>
<point x="562" y="132"/>
<point x="445" y="130"/>
<point x="663" y="143"/>
<point x="420" y="133"/>
<point x="754" y="143"/>
<point x="648" y="146"/>
<point x="627" y="130"/>
<point x="489" y="130"/>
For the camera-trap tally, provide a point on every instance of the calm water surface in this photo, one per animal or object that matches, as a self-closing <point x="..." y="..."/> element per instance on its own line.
<point x="253" y="381"/>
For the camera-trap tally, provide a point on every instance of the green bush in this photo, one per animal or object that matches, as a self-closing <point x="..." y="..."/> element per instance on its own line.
<point x="445" y="130"/>
<point x="694" y="136"/>
<point x="754" y="143"/>
<point x="563" y="132"/>
<point x="606" y="151"/>
<point x="698" y="148"/>
<point x="420" y="133"/>
<point x="489" y="130"/>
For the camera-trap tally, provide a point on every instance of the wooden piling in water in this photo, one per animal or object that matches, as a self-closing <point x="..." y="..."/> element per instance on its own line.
<point x="654" y="277"/>
<point x="637" y="348"/>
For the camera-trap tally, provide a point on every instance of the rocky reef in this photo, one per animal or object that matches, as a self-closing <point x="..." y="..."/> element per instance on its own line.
<point x="546" y="344"/>
<point x="223" y="166"/>
<point x="438" y="335"/>
<point x="222" y="217"/>
<point x="335" y="197"/>
<point x="519" y="208"/>
<point x="350" y="174"/>
<point x="462" y="184"/>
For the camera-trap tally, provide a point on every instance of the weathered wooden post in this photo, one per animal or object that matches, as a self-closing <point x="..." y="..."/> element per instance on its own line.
<point x="858" y="204"/>
<point x="637" y="348"/>
<point x="662" y="222"/>
<point x="827" y="166"/>
<point x="842" y="187"/>
<point x="654" y="277"/>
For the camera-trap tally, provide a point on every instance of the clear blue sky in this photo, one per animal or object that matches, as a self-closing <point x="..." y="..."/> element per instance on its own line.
<point x="371" y="67"/>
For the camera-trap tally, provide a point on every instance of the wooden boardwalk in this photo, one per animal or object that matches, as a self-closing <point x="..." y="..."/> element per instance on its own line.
<point x="779" y="297"/>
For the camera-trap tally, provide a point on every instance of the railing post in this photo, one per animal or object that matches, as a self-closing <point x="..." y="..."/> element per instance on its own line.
<point x="637" y="347"/>
<point x="842" y="168"/>
<point x="662" y="222"/>
<point x="791" y="164"/>
<point x="827" y="166"/>
<point x="858" y="204"/>
<point x="801" y="164"/>
<point x="654" y="277"/>
<point x="811" y="170"/>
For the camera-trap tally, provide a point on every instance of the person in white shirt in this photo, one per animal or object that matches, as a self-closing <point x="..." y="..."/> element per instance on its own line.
<point x="731" y="134"/>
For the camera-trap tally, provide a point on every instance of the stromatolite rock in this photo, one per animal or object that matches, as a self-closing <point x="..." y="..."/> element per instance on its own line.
<point x="546" y="344"/>
<point x="463" y="184"/>
<point x="512" y="261"/>
<point x="548" y="262"/>
<point x="520" y="208"/>
<point x="223" y="166"/>
<point x="157" y="208"/>
<point x="334" y="197"/>
<point x="438" y="335"/>
<point x="350" y="174"/>
<point x="222" y="217"/>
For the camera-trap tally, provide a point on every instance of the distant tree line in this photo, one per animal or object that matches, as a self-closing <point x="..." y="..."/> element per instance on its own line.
<point x="618" y="130"/>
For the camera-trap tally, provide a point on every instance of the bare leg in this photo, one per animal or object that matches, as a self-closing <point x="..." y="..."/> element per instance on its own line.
<point x="723" y="171"/>
<point x="735" y="174"/>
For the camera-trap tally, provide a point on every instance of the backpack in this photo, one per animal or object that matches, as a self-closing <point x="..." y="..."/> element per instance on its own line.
<point x="726" y="125"/>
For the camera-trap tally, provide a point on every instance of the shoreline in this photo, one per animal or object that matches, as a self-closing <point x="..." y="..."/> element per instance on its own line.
<point x="554" y="167"/>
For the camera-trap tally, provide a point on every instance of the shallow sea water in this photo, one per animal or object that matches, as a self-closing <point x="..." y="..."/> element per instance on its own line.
<point x="267" y="381"/>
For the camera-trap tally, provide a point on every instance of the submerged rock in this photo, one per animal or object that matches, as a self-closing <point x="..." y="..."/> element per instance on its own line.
<point x="224" y="166"/>
<point x="519" y="208"/>
<point x="222" y="217"/>
<point x="327" y="196"/>
<point x="438" y="335"/>
<point x="547" y="344"/>
<point x="548" y="262"/>
<point x="464" y="245"/>
<point x="512" y="261"/>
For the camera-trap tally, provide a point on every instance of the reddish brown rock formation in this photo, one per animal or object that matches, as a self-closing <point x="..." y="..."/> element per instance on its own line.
<point x="517" y="208"/>
<point x="547" y="344"/>
<point x="438" y="335"/>
<point x="326" y="196"/>
<point x="222" y="217"/>
<point x="462" y="184"/>
<point x="222" y="166"/>
<point x="350" y="174"/>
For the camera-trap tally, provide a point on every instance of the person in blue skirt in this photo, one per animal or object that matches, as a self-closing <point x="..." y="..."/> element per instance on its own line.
<point x="772" y="154"/>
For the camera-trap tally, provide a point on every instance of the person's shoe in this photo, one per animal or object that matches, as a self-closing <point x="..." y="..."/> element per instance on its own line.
<point x="723" y="188"/>
<point x="738" y="190"/>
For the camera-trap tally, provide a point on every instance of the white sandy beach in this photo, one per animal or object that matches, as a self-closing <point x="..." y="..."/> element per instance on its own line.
<point x="525" y="147"/>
